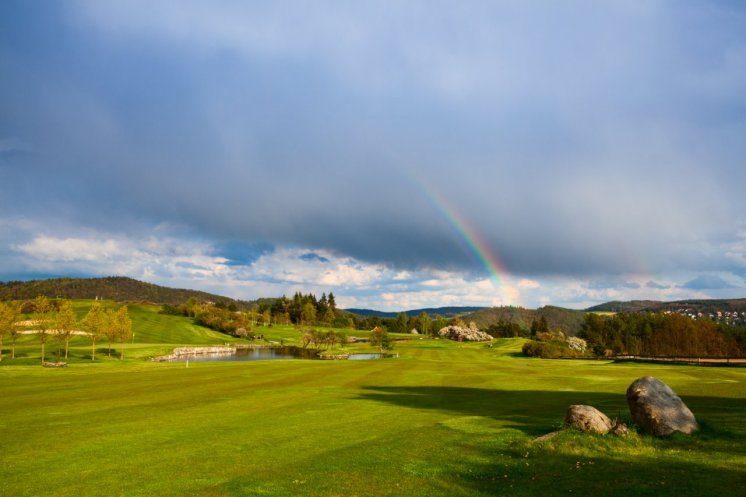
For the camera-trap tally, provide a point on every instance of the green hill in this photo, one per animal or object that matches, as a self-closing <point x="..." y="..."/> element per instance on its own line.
<point x="117" y="288"/>
<point x="558" y="318"/>
<point x="154" y="334"/>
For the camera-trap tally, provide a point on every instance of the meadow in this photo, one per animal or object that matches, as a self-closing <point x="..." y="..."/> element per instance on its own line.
<point x="444" y="418"/>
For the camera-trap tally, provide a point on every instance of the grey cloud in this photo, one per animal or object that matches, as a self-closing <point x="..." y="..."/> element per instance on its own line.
<point x="611" y="283"/>
<point x="566" y="145"/>
<point x="312" y="256"/>
<point x="240" y="253"/>
<point x="707" y="282"/>
<point x="656" y="285"/>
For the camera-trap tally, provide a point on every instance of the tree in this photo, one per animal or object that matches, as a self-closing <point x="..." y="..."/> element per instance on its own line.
<point x="380" y="338"/>
<point x="95" y="324"/>
<point x="123" y="326"/>
<point x="328" y="317"/>
<point x="253" y="316"/>
<point x="457" y="321"/>
<point x="330" y="338"/>
<point x="110" y="330"/>
<point x="423" y="323"/>
<point x="267" y="317"/>
<point x="308" y="314"/>
<point x="43" y="311"/>
<point x="66" y="323"/>
<point x="332" y="303"/>
<point x="341" y="338"/>
<point x="399" y="324"/>
<point x="438" y="324"/>
<point x="8" y="315"/>
<point x="322" y="305"/>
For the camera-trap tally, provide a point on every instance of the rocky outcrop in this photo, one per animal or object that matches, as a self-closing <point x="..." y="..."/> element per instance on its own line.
<point x="189" y="351"/>
<point x="461" y="334"/>
<point x="54" y="364"/>
<point x="588" y="418"/>
<point x="203" y="350"/>
<point x="657" y="409"/>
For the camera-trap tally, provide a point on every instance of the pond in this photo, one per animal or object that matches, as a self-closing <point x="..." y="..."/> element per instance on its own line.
<point x="268" y="354"/>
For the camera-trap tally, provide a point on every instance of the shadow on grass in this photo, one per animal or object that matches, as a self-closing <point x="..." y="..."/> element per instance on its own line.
<point x="533" y="412"/>
<point x="708" y="463"/>
<point x="564" y="470"/>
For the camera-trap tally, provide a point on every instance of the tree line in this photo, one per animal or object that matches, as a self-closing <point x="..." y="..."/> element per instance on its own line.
<point x="661" y="335"/>
<point x="56" y="319"/>
<point x="308" y="310"/>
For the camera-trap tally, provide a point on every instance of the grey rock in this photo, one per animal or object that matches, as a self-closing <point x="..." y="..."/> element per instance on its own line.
<point x="657" y="409"/>
<point x="587" y="418"/>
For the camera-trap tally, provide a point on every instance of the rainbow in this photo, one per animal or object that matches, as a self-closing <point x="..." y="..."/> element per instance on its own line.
<point x="509" y="294"/>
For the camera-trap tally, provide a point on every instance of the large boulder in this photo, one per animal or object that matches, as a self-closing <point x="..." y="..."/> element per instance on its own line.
<point x="588" y="418"/>
<point x="657" y="409"/>
<point x="462" y="334"/>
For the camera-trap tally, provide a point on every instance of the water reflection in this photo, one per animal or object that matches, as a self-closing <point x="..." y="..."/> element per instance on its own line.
<point x="252" y="354"/>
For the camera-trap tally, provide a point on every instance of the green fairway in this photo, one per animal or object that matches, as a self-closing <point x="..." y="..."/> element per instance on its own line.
<point x="442" y="419"/>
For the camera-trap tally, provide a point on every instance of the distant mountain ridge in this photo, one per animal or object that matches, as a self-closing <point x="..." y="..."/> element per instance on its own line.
<point x="441" y="311"/>
<point x="705" y="306"/>
<point x="119" y="288"/>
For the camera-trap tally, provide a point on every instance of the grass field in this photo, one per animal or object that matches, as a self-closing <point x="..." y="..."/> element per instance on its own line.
<point x="442" y="419"/>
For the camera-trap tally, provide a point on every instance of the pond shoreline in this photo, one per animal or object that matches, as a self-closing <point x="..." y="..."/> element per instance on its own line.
<point x="180" y="353"/>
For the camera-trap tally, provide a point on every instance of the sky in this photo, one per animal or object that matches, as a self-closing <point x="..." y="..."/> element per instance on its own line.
<point x="400" y="154"/>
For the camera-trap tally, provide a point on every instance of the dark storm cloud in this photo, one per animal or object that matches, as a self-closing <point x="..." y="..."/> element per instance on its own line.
<point x="574" y="138"/>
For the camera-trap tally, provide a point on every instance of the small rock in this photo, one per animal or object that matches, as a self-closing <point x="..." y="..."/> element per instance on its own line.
<point x="546" y="437"/>
<point x="657" y="409"/>
<point x="621" y="430"/>
<point x="587" y="418"/>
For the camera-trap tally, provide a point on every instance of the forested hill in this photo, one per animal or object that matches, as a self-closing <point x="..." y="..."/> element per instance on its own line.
<point x="117" y="288"/>
<point x="432" y="311"/>
<point x="557" y="318"/>
<point x="705" y="306"/>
